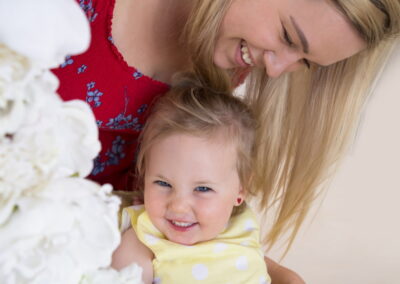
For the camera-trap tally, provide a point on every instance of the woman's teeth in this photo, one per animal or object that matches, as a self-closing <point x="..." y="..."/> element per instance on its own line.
<point x="245" y="54"/>
<point x="181" y="224"/>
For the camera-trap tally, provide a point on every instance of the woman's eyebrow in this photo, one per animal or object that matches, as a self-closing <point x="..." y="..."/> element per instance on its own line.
<point x="301" y="35"/>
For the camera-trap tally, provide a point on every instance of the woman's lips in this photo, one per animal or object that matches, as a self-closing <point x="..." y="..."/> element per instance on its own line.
<point x="243" y="56"/>
<point x="239" y="57"/>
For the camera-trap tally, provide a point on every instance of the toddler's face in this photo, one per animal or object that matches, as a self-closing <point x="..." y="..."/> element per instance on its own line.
<point x="191" y="186"/>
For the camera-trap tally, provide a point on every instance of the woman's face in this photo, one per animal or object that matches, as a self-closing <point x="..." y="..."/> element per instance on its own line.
<point x="282" y="35"/>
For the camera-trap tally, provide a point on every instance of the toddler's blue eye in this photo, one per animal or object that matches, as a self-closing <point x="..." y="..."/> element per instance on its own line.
<point x="203" y="189"/>
<point x="162" y="183"/>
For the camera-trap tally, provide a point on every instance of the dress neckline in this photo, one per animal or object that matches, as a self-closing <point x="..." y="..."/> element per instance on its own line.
<point x="134" y="71"/>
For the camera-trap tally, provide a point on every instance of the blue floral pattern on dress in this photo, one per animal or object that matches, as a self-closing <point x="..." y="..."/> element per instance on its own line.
<point x="90" y="85"/>
<point x="93" y="96"/>
<point x="98" y="166"/>
<point x="113" y="156"/>
<point x="142" y="109"/>
<point x="137" y="75"/>
<point x="81" y="69"/>
<point x="116" y="153"/>
<point x="87" y="7"/>
<point x="68" y="61"/>
<point x="122" y="121"/>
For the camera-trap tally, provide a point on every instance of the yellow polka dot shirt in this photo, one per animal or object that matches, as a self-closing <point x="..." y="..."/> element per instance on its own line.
<point x="233" y="257"/>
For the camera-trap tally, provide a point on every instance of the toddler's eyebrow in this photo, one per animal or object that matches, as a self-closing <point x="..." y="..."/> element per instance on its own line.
<point x="160" y="177"/>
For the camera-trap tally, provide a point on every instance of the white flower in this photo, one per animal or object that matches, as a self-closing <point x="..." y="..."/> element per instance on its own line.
<point x="55" y="226"/>
<point x="60" y="233"/>
<point x="131" y="274"/>
<point x="24" y="91"/>
<point x="13" y="71"/>
<point x="78" y="135"/>
<point x="18" y="174"/>
<point x="45" y="31"/>
<point x="64" y="132"/>
<point x="63" y="139"/>
<point x="51" y="139"/>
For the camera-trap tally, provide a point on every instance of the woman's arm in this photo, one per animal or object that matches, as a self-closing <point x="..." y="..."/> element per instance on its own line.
<point x="280" y="274"/>
<point x="132" y="250"/>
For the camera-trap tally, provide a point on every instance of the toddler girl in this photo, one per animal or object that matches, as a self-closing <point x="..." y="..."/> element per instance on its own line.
<point x="195" y="165"/>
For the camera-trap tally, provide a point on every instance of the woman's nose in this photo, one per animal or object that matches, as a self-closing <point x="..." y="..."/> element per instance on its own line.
<point x="278" y="63"/>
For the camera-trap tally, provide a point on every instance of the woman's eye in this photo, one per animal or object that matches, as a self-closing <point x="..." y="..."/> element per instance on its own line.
<point x="286" y="36"/>
<point x="162" y="183"/>
<point x="203" y="189"/>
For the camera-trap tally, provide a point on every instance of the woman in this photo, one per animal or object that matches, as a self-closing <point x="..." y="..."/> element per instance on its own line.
<point x="336" y="48"/>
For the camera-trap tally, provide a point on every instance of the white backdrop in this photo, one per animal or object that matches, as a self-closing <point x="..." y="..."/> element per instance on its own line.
<point x="354" y="237"/>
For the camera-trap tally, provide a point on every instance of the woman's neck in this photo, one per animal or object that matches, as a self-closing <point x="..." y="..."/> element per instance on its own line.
<point x="147" y="34"/>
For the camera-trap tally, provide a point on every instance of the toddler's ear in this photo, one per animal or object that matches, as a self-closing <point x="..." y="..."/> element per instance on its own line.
<point x="240" y="197"/>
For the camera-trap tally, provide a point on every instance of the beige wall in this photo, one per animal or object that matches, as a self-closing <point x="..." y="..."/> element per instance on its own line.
<point x="354" y="238"/>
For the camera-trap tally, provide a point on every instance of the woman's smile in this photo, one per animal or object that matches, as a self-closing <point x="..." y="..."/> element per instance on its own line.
<point x="243" y="56"/>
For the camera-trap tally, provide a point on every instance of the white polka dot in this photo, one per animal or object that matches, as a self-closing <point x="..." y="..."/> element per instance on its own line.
<point x="157" y="280"/>
<point x="241" y="263"/>
<point x="249" y="225"/>
<point x="200" y="271"/>
<point x="263" y="280"/>
<point x="245" y="243"/>
<point x="219" y="247"/>
<point x="150" y="239"/>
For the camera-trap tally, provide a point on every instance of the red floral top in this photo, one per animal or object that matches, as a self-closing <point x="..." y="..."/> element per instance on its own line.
<point x="118" y="94"/>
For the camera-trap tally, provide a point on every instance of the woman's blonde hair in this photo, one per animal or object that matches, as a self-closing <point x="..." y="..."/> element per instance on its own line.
<point x="189" y="108"/>
<point x="306" y="118"/>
